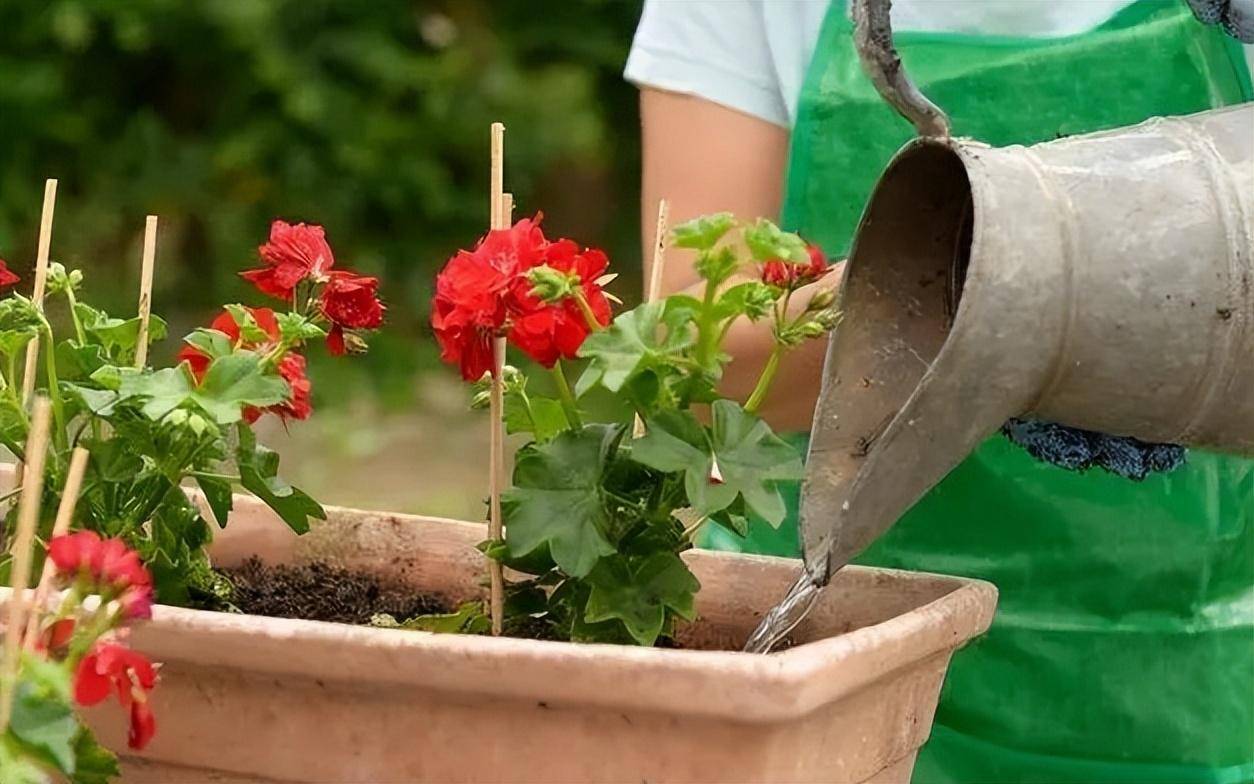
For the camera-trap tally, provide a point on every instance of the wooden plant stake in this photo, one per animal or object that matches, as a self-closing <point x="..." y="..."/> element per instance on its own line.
<point x="65" y="514"/>
<point x="20" y="551"/>
<point x="654" y="291"/>
<point x="496" y="400"/>
<point x="41" y="283"/>
<point x="145" y="290"/>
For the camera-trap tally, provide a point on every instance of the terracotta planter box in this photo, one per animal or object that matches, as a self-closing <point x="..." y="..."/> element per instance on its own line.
<point x="246" y="698"/>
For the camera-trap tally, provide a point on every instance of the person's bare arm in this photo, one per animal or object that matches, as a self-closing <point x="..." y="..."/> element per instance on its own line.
<point x="703" y="158"/>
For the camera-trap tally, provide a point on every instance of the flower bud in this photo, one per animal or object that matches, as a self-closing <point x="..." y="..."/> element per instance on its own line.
<point x="821" y="300"/>
<point x="550" y="285"/>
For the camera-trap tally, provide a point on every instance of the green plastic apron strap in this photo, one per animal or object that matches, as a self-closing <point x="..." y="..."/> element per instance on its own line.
<point x="1122" y="649"/>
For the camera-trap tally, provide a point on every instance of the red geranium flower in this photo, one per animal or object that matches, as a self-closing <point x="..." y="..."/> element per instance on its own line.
<point x="350" y="301"/>
<point x="294" y="253"/>
<point x="110" y="564"/>
<point x="110" y="666"/>
<point x="547" y="332"/>
<point x="791" y="275"/>
<point x="291" y="366"/>
<point x="471" y="292"/>
<point x="7" y="278"/>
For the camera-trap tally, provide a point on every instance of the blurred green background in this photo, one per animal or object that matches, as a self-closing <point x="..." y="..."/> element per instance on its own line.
<point x="369" y="117"/>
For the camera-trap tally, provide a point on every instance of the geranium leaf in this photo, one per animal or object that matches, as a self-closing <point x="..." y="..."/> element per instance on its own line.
<point x="249" y="329"/>
<point x="258" y="470"/>
<point x="218" y="495"/>
<point x="210" y="342"/>
<point x="703" y="233"/>
<point x="163" y="390"/>
<point x="95" y="763"/>
<point x="630" y="345"/>
<point x="16" y="765"/>
<point x="238" y="380"/>
<point x="768" y="242"/>
<point x="638" y="591"/>
<point x="750" y="459"/>
<point x="77" y="361"/>
<point x="541" y="416"/>
<point x="42" y="718"/>
<point x="557" y="498"/>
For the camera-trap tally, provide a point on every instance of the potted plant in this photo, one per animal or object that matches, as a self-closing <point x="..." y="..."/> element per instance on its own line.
<point x="591" y="544"/>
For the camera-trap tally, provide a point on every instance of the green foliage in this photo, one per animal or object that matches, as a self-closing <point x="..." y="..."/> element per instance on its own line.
<point x="150" y="431"/>
<point x="557" y="501"/>
<point x="703" y="233"/>
<point x="601" y="522"/>
<point x="633" y="343"/>
<point x="737" y="457"/>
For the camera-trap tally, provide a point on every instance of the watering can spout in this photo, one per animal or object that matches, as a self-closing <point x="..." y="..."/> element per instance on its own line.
<point x="1103" y="282"/>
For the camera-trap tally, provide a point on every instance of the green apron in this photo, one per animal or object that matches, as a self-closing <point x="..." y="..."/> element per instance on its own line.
<point x="1123" y="647"/>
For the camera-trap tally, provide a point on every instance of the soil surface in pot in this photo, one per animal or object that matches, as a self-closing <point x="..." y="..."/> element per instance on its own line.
<point x="319" y="592"/>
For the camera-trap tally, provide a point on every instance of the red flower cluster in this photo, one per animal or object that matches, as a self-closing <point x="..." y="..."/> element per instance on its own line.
<point x="297" y="253"/>
<point x="350" y="301"/>
<point x="114" y="570"/>
<point x="291" y="366"/>
<point x="7" y="278"/>
<point x="790" y="275"/>
<point x="485" y="293"/>
<point x="113" y="667"/>
<point x="293" y="254"/>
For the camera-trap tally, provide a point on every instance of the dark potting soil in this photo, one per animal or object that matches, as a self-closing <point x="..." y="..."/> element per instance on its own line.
<point x="318" y="592"/>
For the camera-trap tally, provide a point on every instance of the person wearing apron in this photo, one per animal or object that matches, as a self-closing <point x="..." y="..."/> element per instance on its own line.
<point x="1123" y="646"/>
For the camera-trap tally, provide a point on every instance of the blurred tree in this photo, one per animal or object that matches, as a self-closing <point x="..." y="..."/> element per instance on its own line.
<point x="369" y="117"/>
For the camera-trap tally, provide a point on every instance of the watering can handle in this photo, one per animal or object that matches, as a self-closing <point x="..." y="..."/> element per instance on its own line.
<point x="873" y="37"/>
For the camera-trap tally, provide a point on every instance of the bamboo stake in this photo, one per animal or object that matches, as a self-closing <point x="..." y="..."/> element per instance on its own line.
<point x="655" y="278"/>
<point x="496" y="406"/>
<point x="145" y="290"/>
<point x="27" y="519"/>
<point x="41" y="283"/>
<point x="65" y="514"/>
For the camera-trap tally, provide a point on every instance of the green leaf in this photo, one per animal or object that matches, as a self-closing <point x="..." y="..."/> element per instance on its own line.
<point x="631" y="345"/>
<point x="295" y="327"/>
<point x="16" y="764"/>
<point x="557" y="498"/>
<point x="768" y="242"/>
<point x="469" y="618"/>
<point x="541" y="416"/>
<point x="98" y="401"/>
<point x="750" y="459"/>
<point x="258" y="470"/>
<point x="703" y="233"/>
<point x="20" y="321"/>
<point x="118" y="337"/>
<point x="163" y="390"/>
<point x="639" y="591"/>
<point x="210" y="342"/>
<point x="249" y="330"/>
<point x="76" y="361"/>
<point x="232" y="382"/>
<point x="42" y="718"/>
<point x="239" y="380"/>
<point x="753" y="299"/>
<point x="218" y="494"/>
<point x="96" y="764"/>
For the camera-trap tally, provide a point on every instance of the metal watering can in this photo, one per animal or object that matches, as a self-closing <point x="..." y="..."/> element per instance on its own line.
<point x="1104" y="282"/>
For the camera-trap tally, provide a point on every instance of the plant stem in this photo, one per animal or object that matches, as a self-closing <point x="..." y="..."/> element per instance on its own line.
<point x="54" y="389"/>
<point x="586" y="310"/>
<point x="78" y="324"/>
<point x="765" y="380"/>
<point x="705" y="325"/>
<point x="566" y="397"/>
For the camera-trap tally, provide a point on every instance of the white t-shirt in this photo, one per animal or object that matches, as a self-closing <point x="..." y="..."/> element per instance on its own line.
<point x="752" y="55"/>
